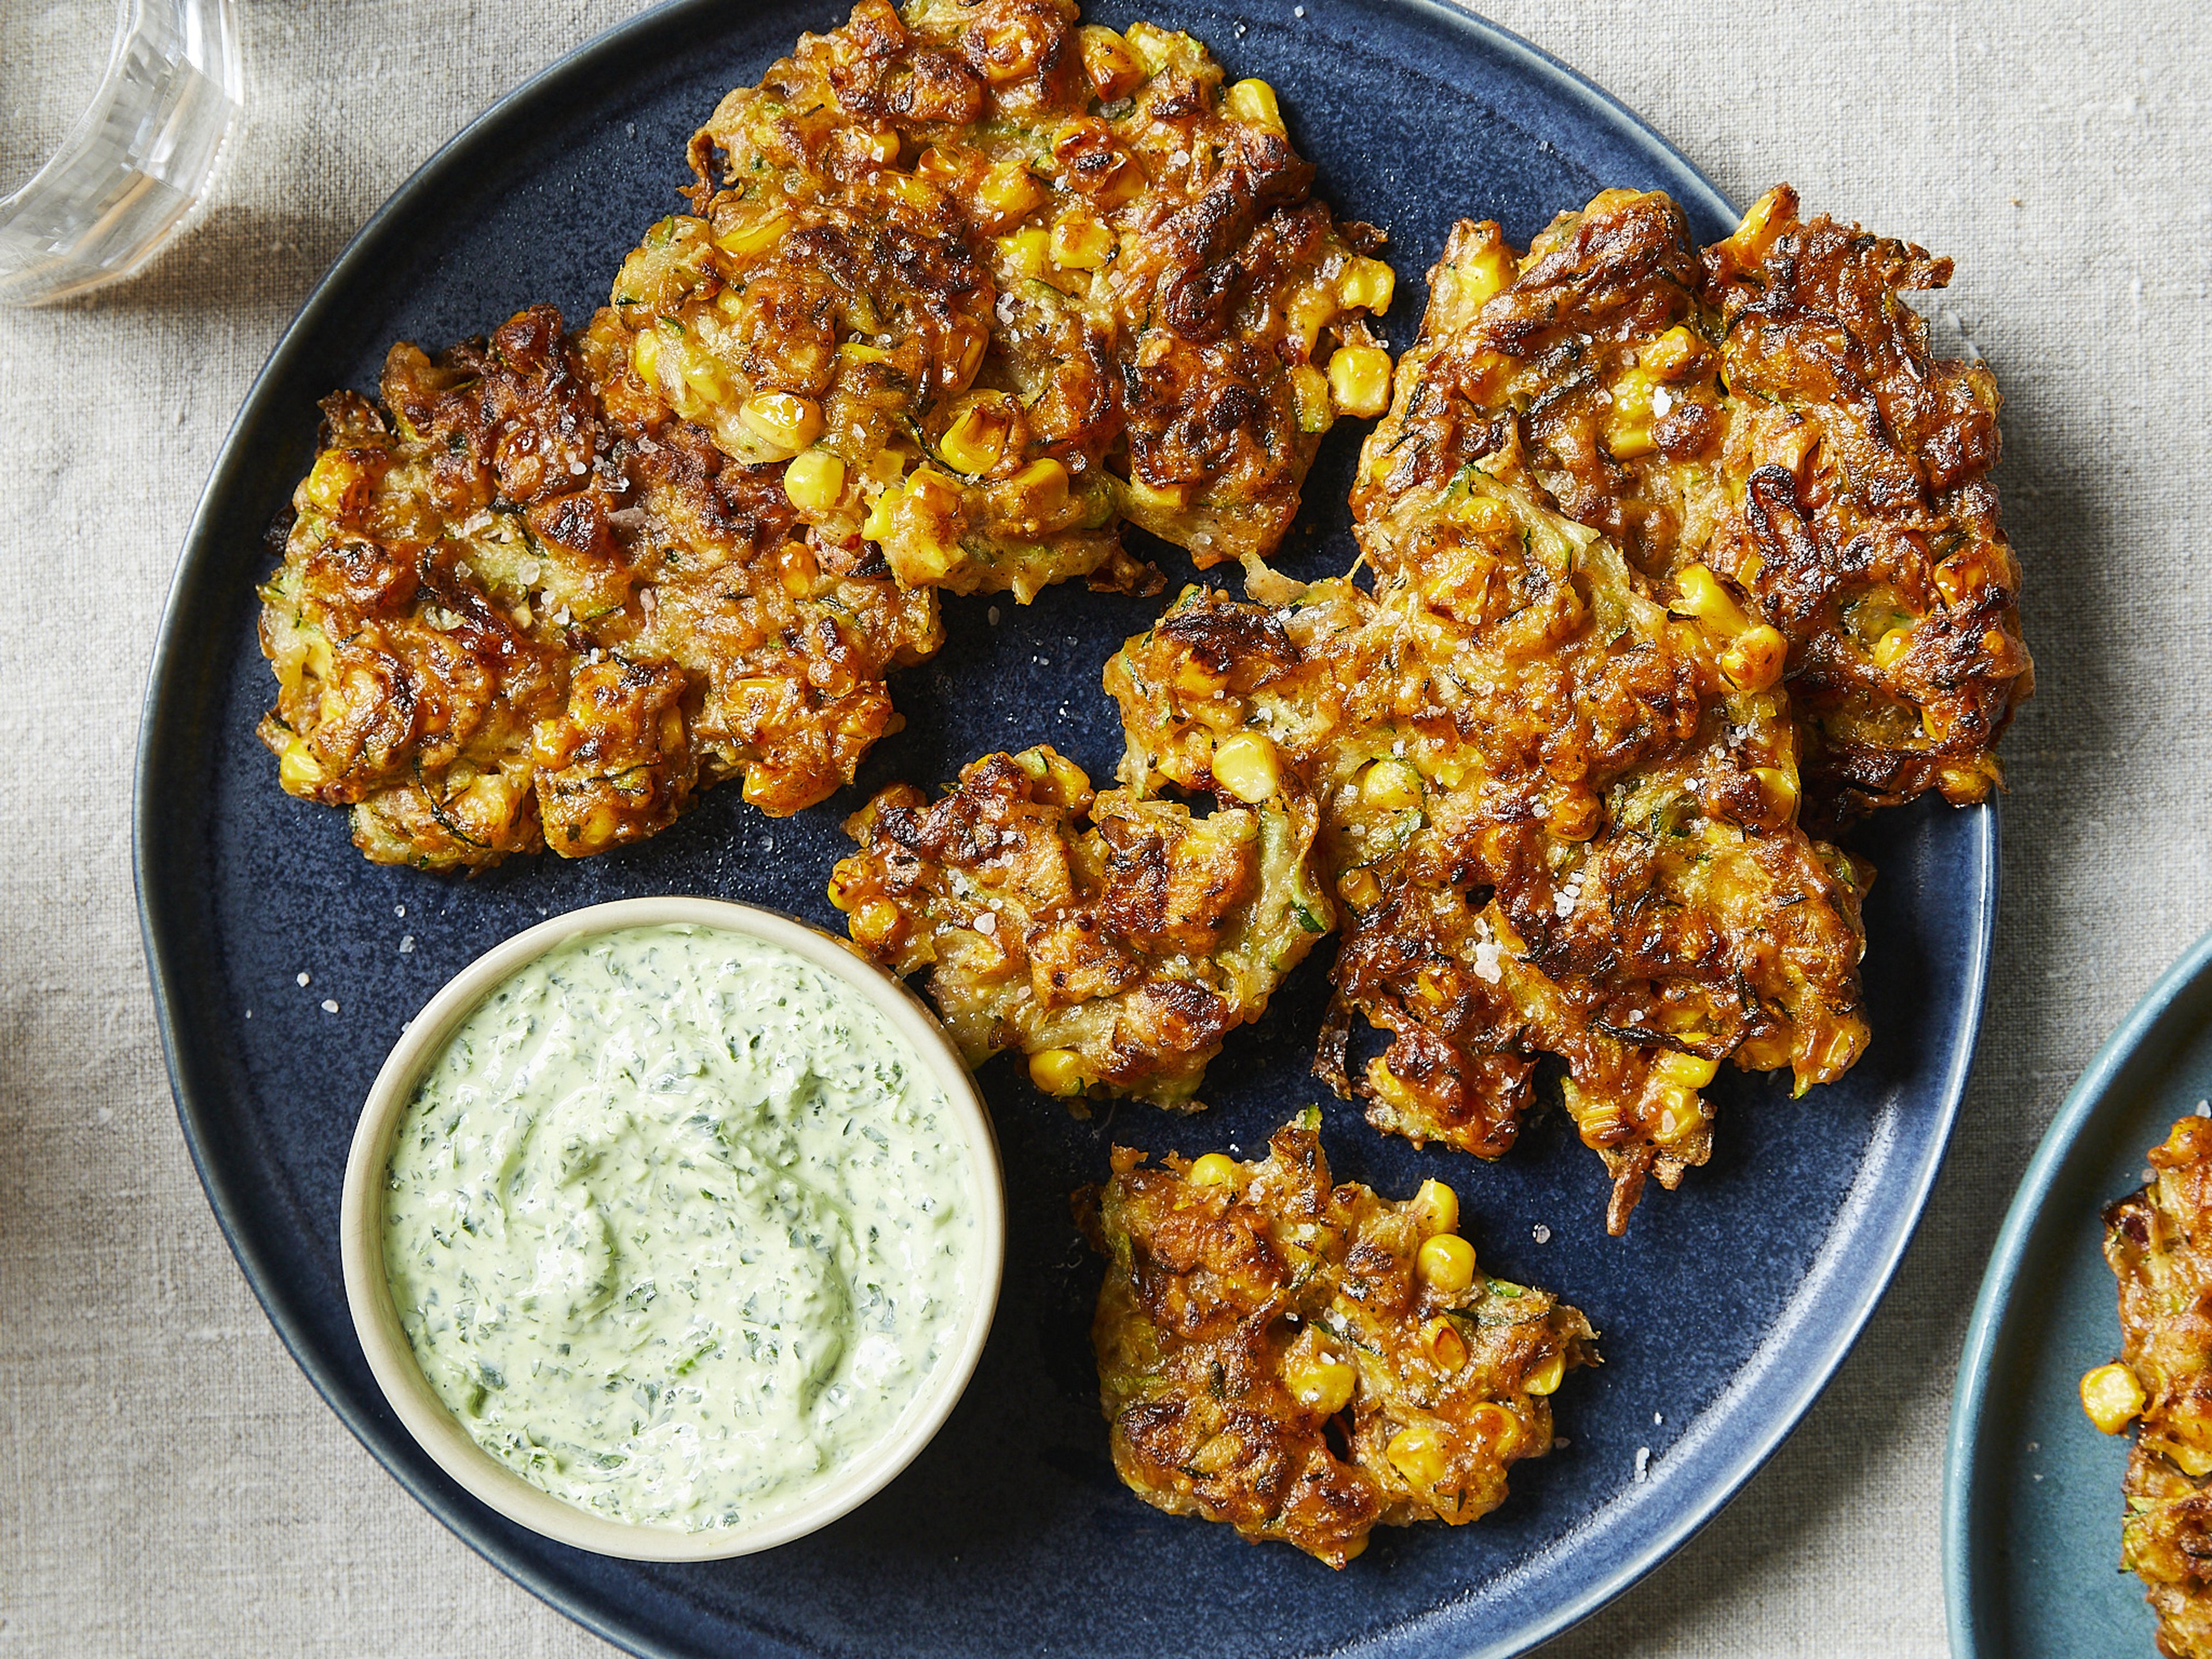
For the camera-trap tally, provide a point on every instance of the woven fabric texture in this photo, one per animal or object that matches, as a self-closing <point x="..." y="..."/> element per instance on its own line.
<point x="169" y="1483"/>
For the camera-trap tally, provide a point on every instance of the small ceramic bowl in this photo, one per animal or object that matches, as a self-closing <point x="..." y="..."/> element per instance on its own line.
<point x="376" y="1316"/>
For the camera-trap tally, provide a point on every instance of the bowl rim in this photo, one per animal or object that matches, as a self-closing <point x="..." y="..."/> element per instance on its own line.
<point x="392" y="1357"/>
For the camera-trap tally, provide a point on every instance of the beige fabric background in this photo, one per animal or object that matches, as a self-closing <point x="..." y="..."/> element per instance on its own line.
<point x="169" y="1484"/>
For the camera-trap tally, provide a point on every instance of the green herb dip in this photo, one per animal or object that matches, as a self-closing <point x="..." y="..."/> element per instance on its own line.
<point x="676" y="1223"/>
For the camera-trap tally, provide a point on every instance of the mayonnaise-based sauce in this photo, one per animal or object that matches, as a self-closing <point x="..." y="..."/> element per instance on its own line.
<point x="676" y="1223"/>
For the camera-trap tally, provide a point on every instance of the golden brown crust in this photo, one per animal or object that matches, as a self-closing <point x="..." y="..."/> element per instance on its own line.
<point x="1272" y="1355"/>
<point x="2159" y="1244"/>
<point x="1116" y="954"/>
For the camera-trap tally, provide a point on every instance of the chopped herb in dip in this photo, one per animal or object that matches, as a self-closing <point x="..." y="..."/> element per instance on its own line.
<point x="676" y="1223"/>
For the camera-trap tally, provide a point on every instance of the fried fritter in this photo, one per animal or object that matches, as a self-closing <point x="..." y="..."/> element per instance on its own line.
<point x="1765" y="414"/>
<point x="961" y="290"/>
<point x="997" y="281"/>
<point x="504" y="622"/>
<point x="1116" y="957"/>
<point x="2159" y="1243"/>
<point x="1862" y="522"/>
<point x="1555" y="827"/>
<point x="1305" y="1361"/>
<point x="1562" y="762"/>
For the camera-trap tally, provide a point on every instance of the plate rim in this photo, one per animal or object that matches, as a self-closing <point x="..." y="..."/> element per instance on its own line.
<point x="162" y="930"/>
<point x="1970" y="1489"/>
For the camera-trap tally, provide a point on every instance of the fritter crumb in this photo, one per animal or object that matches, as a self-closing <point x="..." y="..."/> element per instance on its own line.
<point x="1304" y="1361"/>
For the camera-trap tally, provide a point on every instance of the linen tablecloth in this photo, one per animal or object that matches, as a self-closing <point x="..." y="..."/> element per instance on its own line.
<point x="172" y="1486"/>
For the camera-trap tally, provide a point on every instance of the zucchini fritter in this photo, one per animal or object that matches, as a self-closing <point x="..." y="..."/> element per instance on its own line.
<point x="503" y="621"/>
<point x="1862" y="522"/>
<point x="1555" y="829"/>
<point x="2159" y="1243"/>
<point x="1304" y="1360"/>
<point x="1562" y="762"/>
<point x="1116" y="957"/>
<point x="1765" y="414"/>
<point x="998" y="281"/>
<point x="961" y="290"/>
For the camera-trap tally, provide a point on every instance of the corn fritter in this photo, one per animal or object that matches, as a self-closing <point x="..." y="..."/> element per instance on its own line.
<point x="1305" y="1361"/>
<point x="2159" y="1244"/>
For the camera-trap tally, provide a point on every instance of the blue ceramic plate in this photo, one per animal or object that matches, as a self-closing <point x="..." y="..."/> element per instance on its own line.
<point x="1724" y="1311"/>
<point x="2032" y="1489"/>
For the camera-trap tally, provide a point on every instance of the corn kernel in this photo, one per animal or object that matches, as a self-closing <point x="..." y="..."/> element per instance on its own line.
<point x="745" y="240"/>
<point x="1011" y="50"/>
<point x="874" y="922"/>
<point x="1360" y="381"/>
<point x="299" y="769"/>
<point x="645" y="354"/>
<point x="1421" y="1454"/>
<point x="1445" y="1262"/>
<point x="1545" y="1378"/>
<point x="1172" y="499"/>
<point x="1445" y="1344"/>
<point x="815" y="481"/>
<point x="1367" y="285"/>
<point x="1059" y="1071"/>
<point x="2111" y="1395"/>
<point x="881" y="521"/>
<point x="1497" y="1426"/>
<point x="1043" y="483"/>
<point x="1390" y="786"/>
<point x="797" y="570"/>
<point x="1245" y="766"/>
<point x="1780" y="784"/>
<point x="976" y="441"/>
<point x="1079" y="242"/>
<point x="1324" y="1386"/>
<point x="782" y="419"/>
<point x="1576" y="814"/>
<point x="1954" y="581"/>
<point x="1889" y="650"/>
<point x="1486" y="274"/>
<point x="1703" y="597"/>
<point x="1750" y="241"/>
<point x="1438" y="1206"/>
<point x="1027" y="251"/>
<point x="1689" y="1071"/>
<point x="1253" y="102"/>
<point x="941" y="167"/>
<point x="1391" y="1087"/>
<point x="856" y="351"/>
<point x="1009" y="192"/>
<point x="1215" y="1169"/>
<point x="967" y="359"/>
<point x="883" y="146"/>
<point x="1755" y="660"/>
<point x="1112" y="68"/>
<point x="1673" y="353"/>
<point x="1677" y="1116"/>
<point x="1359" y="888"/>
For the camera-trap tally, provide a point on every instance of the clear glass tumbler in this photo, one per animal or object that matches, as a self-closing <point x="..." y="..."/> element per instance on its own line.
<point x="117" y="181"/>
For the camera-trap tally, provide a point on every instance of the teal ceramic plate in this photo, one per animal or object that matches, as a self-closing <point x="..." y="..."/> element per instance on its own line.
<point x="2031" y="1499"/>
